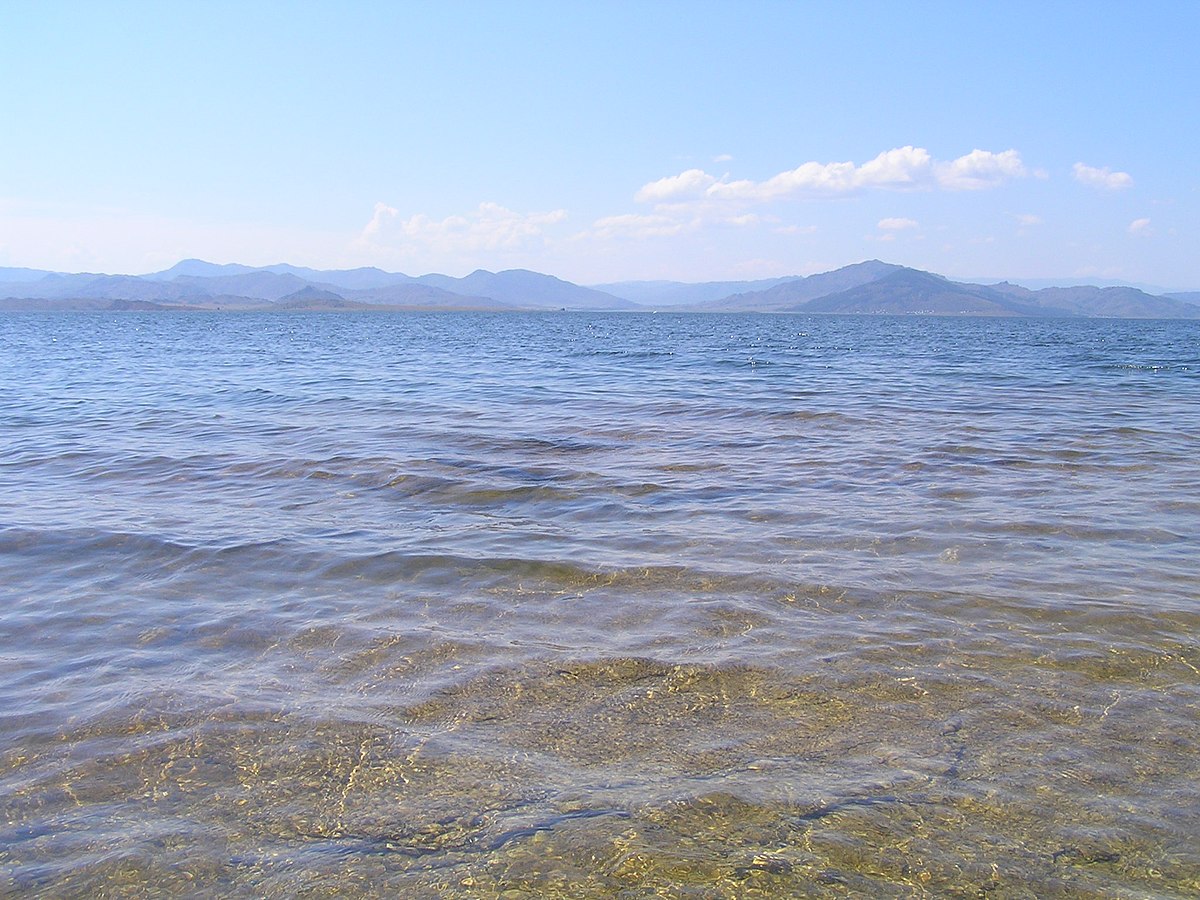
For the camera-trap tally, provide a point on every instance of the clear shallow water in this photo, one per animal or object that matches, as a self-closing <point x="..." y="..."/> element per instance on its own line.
<point x="598" y="605"/>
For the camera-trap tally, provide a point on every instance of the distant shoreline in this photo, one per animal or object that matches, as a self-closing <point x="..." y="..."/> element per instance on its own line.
<point x="871" y="287"/>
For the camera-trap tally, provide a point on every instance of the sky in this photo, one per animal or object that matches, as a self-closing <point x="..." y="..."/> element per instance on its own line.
<point x="606" y="141"/>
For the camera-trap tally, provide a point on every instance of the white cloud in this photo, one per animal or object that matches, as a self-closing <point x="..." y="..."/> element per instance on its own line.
<point x="669" y="220"/>
<point x="1102" y="178"/>
<point x="896" y="224"/>
<point x="832" y="177"/>
<point x="742" y="221"/>
<point x="383" y="212"/>
<point x="899" y="169"/>
<point x="724" y="157"/>
<point x="980" y="169"/>
<point x="1140" y="226"/>
<point x="638" y="226"/>
<point x="488" y="227"/>
<point x="684" y="186"/>
<point x="1028" y="219"/>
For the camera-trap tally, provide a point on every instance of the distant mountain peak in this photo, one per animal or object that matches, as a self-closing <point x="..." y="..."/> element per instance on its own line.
<point x="199" y="268"/>
<point x="310" y="292"/>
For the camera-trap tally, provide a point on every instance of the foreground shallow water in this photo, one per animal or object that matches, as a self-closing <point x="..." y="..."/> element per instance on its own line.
<point x="598" y="605"/>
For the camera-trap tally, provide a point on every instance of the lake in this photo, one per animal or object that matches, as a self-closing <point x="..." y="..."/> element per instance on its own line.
<point x="598" y="605"/>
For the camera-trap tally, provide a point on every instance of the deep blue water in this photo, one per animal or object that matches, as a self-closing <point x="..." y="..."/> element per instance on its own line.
<point x="598" y="605"/>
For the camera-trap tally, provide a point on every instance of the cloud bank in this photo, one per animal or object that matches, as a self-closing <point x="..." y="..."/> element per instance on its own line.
<point x="901" y="169"/>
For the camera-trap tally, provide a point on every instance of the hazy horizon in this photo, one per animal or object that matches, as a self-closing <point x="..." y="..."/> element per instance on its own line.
<point x="1032" y="283"/>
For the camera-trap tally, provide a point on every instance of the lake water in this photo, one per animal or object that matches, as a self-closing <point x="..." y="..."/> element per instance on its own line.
<point x="598" y="605"/>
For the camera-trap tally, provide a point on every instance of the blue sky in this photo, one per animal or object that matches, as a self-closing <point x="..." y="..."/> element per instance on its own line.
<point x="608" y="141"/>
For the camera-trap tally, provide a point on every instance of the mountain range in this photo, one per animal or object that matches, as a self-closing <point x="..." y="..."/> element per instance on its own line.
<point x="870" y="287"/>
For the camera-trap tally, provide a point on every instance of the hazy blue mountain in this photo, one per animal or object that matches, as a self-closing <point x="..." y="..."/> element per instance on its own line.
<point x="913" y="292"/>
<point x="522" y="288"/>
<point x="413" y="295"/>
<point x="311" y="294"/>
<point x="677" y="293"/>
<point x="313" y="299"/>
<point x="794" y="293"/>
<point x="867" y="287"/>
<point x="1185" y="297"/>
<point x="125" y="287"/>
<point x="256" y="284"/>
<point x="1117" y="302"/>
<point x="110" y="287"/>
<point x="198" y="268"/>
<point x="51" y="285"/>
<point x="349" y="279"/>
<point x="1037" y="284"/>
